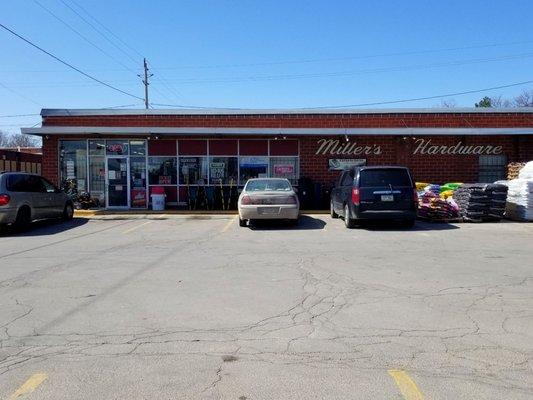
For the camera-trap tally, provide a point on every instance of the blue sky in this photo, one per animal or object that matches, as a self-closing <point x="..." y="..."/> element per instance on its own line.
<point x="262" y="54"/>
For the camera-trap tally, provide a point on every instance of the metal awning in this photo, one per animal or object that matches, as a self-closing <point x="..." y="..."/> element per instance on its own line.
<point x="169" y="131"/>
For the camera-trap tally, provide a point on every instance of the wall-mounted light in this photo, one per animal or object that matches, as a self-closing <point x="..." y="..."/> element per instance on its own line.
<point x="46" y="137"/>
<point x="346" y="138"/>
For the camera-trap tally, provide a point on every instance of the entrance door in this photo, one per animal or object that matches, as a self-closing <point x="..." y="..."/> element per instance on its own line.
<point x="117" y="182"/>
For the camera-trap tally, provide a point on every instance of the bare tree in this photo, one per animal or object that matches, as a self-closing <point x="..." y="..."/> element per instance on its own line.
<point x="450" y="103"/>
<point x="17" y="140"/>
<point x="525" y="99"/>
<point x="3" y="139"/>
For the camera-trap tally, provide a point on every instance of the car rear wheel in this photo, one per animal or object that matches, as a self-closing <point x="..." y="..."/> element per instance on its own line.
<point x="68" y="212"/>
<point x="242" y="222"/>
<point x="348" y="221"/>
<point x="332" y="210"/>
<point x="23" y="219"/>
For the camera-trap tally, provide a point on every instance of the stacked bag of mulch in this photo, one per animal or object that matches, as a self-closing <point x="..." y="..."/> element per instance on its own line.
<point x="433" y="207"/>
<point x="519" y="205"/>
<point x="513" y="169"/>
<point x="481" y="202"/>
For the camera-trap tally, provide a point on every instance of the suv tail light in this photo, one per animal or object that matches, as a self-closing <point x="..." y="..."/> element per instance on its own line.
<point x="356" y="197"/>
<point x="4" y="199"/>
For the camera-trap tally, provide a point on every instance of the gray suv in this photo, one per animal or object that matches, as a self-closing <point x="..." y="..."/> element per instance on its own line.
<point x="26" y="197"/>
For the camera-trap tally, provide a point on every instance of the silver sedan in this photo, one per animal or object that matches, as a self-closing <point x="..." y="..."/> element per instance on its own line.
<point x="268" y="198"/>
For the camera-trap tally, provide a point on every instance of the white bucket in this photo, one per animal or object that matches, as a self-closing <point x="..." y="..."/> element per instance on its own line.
<point x="158" y="202"/>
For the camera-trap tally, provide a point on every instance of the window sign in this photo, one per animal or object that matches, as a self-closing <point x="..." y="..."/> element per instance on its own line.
<point x="223" y="170"/>
<point x="117" y="147"/>
<point x="284" y="167"/>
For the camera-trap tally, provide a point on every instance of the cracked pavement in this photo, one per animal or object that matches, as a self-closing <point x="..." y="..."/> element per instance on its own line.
<point x="183" y="308"/>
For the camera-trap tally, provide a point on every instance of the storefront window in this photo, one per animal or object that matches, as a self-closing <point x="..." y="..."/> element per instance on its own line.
<point x="97" y="179"/>
<point x="284" y="167"/>
<point x="117" y="148"/>
<point x="223" y="170"/>
<point x="138" y="182"/>
<point x="253" y="167"/>
<point x="137" y="147"/>
<point x="193" y="170"/>
<point x="96" y="147"/>
<point x="162" y="170"/>
<point x="73" y="165"/>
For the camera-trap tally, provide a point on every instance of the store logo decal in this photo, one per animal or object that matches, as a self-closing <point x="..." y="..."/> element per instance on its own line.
<point x="336" y="147"/>
<point x="425" y="147"/>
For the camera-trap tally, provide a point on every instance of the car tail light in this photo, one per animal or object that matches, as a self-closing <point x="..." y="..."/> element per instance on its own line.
<point x="4" y="199"/>
<point x="356" y="197"/>
<point x="291" y="200"/>
<point x="246" y="200"/>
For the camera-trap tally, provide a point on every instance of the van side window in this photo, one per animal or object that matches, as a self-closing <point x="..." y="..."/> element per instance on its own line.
<point x="49" y="188"/>
<point x="16" y="183"/>
<point x="347" y="179"/>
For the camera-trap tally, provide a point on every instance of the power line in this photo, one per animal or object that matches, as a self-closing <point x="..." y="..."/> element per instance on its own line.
<point x="21" y="95"/>
<point x="424" y="98"/>
<point x="107" y="29"/>
<point x="362" y="57"/>
<point x="377" y="103"/>
<point x="18" y="115"/>
<point x="97" y="30"/>
<point x="83" y="37"/>
<point x="69" y="65"/>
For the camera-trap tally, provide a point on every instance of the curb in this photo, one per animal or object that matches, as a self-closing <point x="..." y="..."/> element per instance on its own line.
<point x="93" y="213"/>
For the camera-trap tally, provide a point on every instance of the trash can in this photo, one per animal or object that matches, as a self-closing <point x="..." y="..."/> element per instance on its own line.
<point x="158" y="198"/>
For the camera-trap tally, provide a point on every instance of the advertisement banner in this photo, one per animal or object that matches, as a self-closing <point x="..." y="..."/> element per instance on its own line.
<point x="138" y="197"/>
<point x="339" y="164"/>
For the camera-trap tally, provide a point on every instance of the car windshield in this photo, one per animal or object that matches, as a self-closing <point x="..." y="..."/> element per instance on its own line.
<point x="268" y="185"/>
<point x="384" y="177"/>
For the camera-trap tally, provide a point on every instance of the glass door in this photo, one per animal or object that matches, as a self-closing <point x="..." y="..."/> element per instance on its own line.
<point x="117" y="182"/>
<point x="138" y="182"/>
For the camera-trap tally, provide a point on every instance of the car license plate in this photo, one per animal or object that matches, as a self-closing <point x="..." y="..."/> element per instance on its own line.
<point x="268" y="210"/>
<point x="387" y="197"/>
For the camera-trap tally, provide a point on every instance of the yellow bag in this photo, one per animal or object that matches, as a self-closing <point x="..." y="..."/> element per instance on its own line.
<point x="447" y="193"/>
<point x="421" y="185"/>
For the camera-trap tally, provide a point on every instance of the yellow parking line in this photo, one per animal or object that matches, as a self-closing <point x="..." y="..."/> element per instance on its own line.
<point x="406" y="385"/>
<point x="30" y="385"/>
<point x="136" y="227"/>
<point x="227" y="226"/>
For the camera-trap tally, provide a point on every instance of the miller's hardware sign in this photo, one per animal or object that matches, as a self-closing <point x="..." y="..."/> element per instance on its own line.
<point x="421" y="147"/>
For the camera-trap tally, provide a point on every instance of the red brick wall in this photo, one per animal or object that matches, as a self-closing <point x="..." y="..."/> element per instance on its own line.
<point x="388" y="120"/>
<point x="50" y="159"/>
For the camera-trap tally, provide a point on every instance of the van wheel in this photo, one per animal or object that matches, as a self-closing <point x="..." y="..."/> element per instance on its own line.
<point x="23" y="219"/>
<point x="348" y="221"/>
<point x="332" y="210"/>
<point x="408" y="223"/>
<point x="242" y="222"/>
<point x="68" y="212"/>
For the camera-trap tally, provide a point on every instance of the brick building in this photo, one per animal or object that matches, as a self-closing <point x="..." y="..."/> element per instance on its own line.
<point x="26" y="159"/>
<point x="120" y="155"/>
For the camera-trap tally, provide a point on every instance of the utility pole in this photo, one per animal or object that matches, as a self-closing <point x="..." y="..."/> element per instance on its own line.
<point x="145" y="82"/>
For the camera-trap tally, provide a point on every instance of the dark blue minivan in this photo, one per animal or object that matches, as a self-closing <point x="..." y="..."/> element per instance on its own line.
<point x="375" y="193"/>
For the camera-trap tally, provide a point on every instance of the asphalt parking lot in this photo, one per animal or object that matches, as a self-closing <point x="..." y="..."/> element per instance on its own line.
<point x="194" y="307"/>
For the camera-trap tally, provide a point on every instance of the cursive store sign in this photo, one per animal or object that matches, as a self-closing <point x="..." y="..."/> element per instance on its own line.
<point x="425" y="147"/>
<point x="337" y="147"/>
